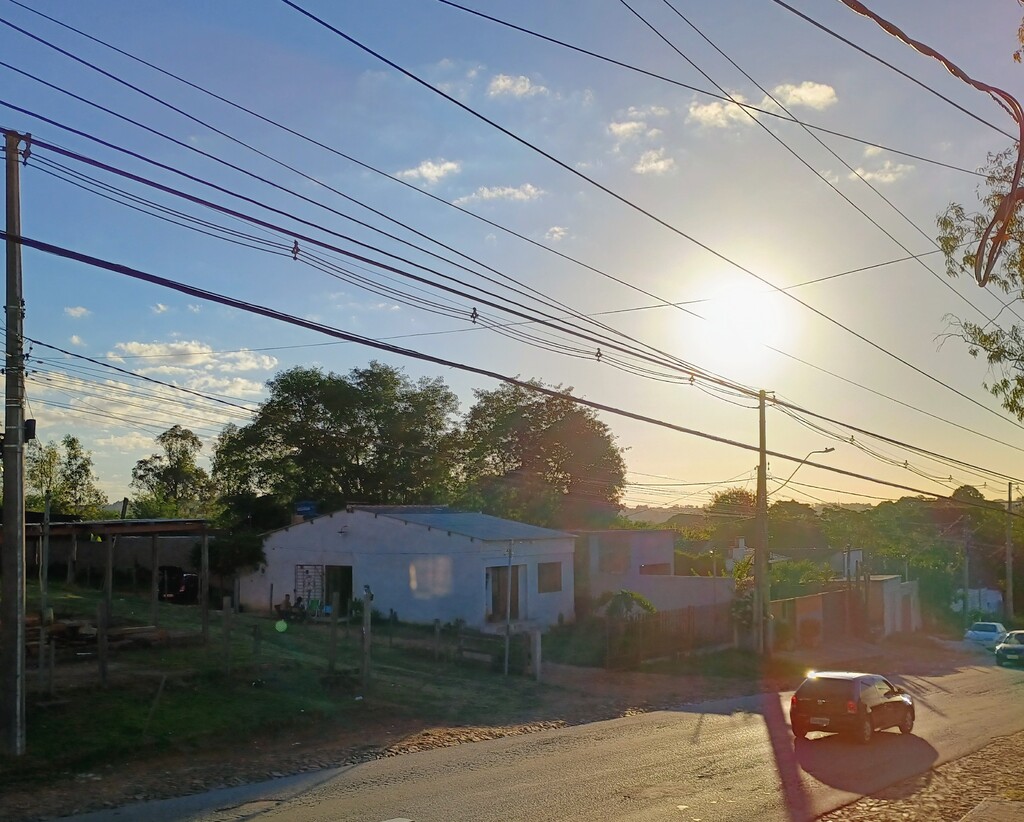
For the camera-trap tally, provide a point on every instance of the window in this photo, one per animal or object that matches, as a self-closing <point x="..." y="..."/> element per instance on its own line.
<point x="549" y="577"/>
<point x="656" y="569"/>
<point x="614" y="559"/>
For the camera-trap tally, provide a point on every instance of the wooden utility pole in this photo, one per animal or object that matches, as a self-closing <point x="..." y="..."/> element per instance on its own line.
<point x="967" y="575"/>
<point x="44" y="584"/>
<point x="204" y="586"/>
<point x="1008" y="596"/>
<point x="154" y="580"/>
<point x="508" y="608"/>
<point x="762" y="581"/>
<point x="12" y="605"/>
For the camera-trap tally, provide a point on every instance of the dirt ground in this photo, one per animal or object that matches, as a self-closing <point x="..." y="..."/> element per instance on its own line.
<point x="576" y="695"/>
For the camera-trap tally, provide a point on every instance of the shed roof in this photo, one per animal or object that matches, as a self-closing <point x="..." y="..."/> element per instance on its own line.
<point x="469" y="524"/>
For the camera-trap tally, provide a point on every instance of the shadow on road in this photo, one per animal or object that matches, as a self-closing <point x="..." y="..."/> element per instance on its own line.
<point x="864" y="769"/>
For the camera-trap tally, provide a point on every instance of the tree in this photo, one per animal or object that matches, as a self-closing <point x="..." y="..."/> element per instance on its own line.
<point x="960" y="232"/>
<point x="370" y="436"/>
<point x="64" y="469"/>
<point x="539" y="458"/>
<point x="171" y="483"/>
<point x="730" y="515"/>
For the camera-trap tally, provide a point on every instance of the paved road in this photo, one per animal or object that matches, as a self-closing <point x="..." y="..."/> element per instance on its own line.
<point x="727" y="760"/>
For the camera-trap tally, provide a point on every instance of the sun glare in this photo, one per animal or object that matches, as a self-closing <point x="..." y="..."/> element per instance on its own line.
<point x="742" y="324"/>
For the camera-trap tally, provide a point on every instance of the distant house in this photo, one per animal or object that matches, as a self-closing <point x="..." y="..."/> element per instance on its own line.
<point x="423" y="562"/>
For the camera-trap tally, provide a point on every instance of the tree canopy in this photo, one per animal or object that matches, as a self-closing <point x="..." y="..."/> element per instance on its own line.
<point x="170" y="482"/>
<point x="65" y="469"/>
<point x="540" y="458"/>
<point x="370" y="436"/>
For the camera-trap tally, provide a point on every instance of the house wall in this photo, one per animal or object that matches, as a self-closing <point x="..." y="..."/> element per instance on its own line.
<point x="885" y="603"/>
<point x="420" y="572"/>
<point x="668" y="593"/>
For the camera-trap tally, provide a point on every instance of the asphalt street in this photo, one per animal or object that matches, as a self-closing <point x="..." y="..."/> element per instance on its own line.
<point x="728" y="760"/>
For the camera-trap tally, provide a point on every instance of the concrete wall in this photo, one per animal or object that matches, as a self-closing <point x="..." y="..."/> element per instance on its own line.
<point x="422" y="573"/>
<point x="671" y="592"/>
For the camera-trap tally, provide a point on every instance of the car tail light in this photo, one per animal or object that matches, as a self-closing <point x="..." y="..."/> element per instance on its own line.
<point x="851" y="706"/>
<point x="792" y="703"/>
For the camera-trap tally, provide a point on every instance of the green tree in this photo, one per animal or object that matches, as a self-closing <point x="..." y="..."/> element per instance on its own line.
<point x="541" y="459"/>
<point x="370" y="436"/>
<point x="65" y="469"/>
<point x="170" y="483"/>
<point x="730" y="515"/>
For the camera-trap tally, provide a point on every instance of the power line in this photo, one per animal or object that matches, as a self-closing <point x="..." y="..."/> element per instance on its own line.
<point x="280" y="316"/>
<point x="789" y="118"/>
<point x="640" y="209"/>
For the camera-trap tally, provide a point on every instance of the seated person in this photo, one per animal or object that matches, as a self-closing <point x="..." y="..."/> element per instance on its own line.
<point x="299" y="611"/>
<point x="285" y="609"/>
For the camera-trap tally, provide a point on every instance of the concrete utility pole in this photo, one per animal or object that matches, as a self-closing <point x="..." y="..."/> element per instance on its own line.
<point x="762" y="580"/>
<point x="1008" y="596"/>
<point x="508" y="609"/>
<point x="12" y="605"/>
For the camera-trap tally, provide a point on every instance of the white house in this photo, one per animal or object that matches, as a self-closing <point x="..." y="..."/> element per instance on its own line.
<point x="423" y="562"/>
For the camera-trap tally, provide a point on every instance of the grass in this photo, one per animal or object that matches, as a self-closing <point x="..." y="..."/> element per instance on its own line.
<point x="730" y="663"/>
<point x="203" y="703"/>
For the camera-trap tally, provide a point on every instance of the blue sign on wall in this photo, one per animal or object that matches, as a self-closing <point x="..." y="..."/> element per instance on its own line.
<point x="306" y="508"/>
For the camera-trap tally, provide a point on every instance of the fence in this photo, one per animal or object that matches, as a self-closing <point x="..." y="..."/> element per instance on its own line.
<point x="666" y="633"/>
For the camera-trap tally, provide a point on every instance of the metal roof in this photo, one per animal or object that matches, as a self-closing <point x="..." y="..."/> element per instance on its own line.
<point x="468" y="524"/>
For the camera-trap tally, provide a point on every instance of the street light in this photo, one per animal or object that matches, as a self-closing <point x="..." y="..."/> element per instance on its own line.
<point x="800" y="465"/>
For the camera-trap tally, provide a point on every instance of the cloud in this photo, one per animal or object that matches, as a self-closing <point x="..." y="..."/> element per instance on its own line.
<point x="628" y="130"/>
<point x="160" y="308"/>
<point x="872" y="151"/>
<point x="719" y="114"/>
<point x="505" y="85"/>
<point x="890" y="172"/>
<point x="76" y="340"/>
<point x="809" y="94"/>
<point x="195" y="309"/>
<point x="77" y="311"/>
<point x="431" y="171"/>
<point x="654" y="162"/>
<point x="522" y="193"/>
<point x="128" y="443"/>
<point x="556" y="233"/>
<point x="640" y="112"/>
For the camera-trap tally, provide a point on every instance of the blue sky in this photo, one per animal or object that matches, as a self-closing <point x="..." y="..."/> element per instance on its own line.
<point x="693" y="161"/>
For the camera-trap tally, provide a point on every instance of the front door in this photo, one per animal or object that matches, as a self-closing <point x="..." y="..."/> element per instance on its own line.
<point x="501" y="606"/>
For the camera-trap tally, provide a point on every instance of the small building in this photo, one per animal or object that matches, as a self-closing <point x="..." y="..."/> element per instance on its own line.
<point x="641" y="561"/>
<point x="423" y="563"/>
<point x="893" y="605"/>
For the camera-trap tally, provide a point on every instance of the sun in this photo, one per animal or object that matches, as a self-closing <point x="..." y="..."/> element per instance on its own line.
<point x="740" y="325"/>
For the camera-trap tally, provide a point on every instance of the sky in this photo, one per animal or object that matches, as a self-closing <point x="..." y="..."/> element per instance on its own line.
<point x="542" y="213"/>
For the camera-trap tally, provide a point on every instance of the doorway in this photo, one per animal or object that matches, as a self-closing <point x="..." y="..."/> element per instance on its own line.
<point x="498" y="580"/>
<point x="338" y="579"/>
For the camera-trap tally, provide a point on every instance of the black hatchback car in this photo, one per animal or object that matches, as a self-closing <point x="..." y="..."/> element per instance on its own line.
<point x="850" y="703"/>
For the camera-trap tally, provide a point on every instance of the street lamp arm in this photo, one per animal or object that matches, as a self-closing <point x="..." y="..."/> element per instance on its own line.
<point x="800" y="465"/>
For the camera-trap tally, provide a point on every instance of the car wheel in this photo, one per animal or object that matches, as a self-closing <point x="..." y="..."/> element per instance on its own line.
<point x="1000" y="661"/>
<point x="800" y="731"/>
<point x="907" y="723"/>
<point x="864" y="731"/>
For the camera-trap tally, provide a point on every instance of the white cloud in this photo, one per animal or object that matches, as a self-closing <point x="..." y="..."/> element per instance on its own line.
<point x="830" y="175"/>
<point x="639" y="112"/>
<point x="653" y="133"/>
<point x="556" y="233"/>
<point x="890" y="172"/>
<point x="809" y="94"/>
<point x="522" y="193"/>
<point x="654" y="162"/>
<point x="506" y="85"/>
<point x="174" y="353"/>
<point x="160" y="308"/>
<point x="77" y="311"/>
<point x="431" y="171"/>
<point x="627" y="130"/>
<point x="719" y="114"/>
<point x="872" y="151"/>
<point x="76" y="340"/>
<point x="128" y="443"/>
<point x="195" y="309"/>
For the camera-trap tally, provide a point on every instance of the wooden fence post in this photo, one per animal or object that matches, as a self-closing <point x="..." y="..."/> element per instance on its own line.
<point x="226" y="613"/>
<point x="102" y="615"/>
<point x="332" y="648"/>
<point x="437" y="640"/>
<point x="367" y="611"/>
<point x="204" y="586"/>
<point x="154" y="582"/>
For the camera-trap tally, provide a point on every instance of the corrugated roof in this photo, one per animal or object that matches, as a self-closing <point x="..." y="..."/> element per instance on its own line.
<point x="468" y="524"/>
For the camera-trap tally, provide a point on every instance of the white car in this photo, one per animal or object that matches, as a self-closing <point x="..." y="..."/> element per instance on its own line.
<point x="986" y="634"/>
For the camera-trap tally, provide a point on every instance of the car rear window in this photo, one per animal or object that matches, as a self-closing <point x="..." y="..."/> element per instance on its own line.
<point x="988" y="627"/>
<point x="823" y="688"/>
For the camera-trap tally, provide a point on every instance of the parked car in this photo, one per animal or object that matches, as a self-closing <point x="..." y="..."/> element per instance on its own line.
<point x="1011" y="649"/>
<point x="850" y="703"/>
<point x="986" y="634"/>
